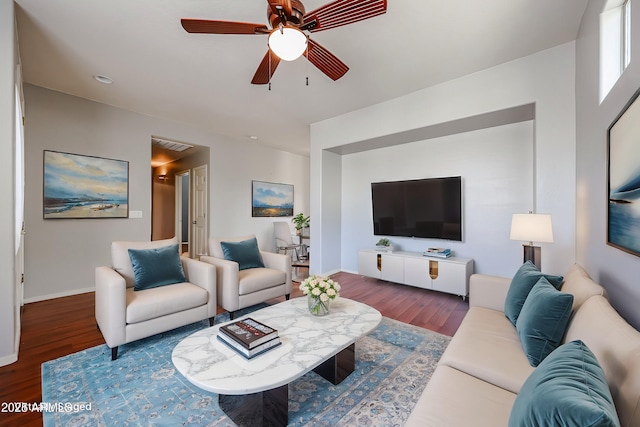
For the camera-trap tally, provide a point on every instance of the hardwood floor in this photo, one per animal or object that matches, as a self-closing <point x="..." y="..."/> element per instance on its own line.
<point x="55" y="328"/>
<point x="420" y="307"/>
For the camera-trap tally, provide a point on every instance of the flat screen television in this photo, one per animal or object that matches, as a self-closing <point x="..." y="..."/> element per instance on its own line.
<point x="428" y="208"/>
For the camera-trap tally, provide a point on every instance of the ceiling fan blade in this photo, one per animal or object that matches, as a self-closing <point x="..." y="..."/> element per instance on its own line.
<point x="266" y="69"/>
<point x="325" y="61"/>
<point x="285" y="4"/>
<point x="342" y="12"/>
<point x="222" y="27"/>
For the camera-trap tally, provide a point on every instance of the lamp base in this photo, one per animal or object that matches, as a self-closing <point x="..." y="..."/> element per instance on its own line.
<point x="533" y="254"/>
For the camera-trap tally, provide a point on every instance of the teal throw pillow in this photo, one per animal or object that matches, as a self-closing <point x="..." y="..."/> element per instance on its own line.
<point x="567" y="389"/>
<point x="524" y="279"/>
<point x="156" y="267"/>
<point x="543" y="320"/>
<point x="245" y="253"/>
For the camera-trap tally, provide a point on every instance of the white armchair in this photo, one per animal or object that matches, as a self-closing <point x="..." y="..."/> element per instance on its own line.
<point x="240" y="288"/>
<point x="125" y="315"/>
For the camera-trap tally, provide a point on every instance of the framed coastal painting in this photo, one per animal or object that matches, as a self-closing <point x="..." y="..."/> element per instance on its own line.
<point x="623" y="222"/>
<point x="271" y="199"/>
<point x="77" y="186"/>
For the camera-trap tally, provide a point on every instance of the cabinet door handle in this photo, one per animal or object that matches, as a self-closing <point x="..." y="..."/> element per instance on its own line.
<point x="433" y="269"/>
<point x="379" y="262"/>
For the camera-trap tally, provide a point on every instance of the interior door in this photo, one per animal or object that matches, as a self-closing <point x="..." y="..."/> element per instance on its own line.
<point x="183" y="193"/>
<point x="199" y="223"/>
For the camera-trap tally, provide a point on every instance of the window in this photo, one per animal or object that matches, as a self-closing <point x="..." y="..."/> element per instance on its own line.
<point x="615" y="43"/>
<point x="626" y="34"/>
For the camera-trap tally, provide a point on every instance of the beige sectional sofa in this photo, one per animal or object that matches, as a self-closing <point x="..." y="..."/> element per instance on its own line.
<point x="484" y="367"/>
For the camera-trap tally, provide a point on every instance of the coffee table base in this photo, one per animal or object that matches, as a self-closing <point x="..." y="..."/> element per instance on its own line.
<point x="266" y="408"/>
<point x="271" y="407"/>
<point x="338" y="367"/>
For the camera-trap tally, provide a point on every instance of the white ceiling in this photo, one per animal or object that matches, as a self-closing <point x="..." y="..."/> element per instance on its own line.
<point x="160" y="70"/>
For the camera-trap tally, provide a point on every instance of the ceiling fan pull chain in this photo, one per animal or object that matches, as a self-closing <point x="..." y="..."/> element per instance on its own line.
<point x="269" y="51"/>
<point x="307" y="60"/>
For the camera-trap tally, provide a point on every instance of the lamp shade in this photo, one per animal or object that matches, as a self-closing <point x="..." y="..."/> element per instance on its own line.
<point x="531" y="228"/>
<point x="287" y="43"/>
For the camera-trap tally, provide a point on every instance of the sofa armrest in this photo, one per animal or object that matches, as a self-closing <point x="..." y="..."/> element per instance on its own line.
<point x="111" y="305"/>
<point x="227" y="281"/>
<point x="488" y="291"/>
<point x="204" y="275"/>
<point x="278" y="262"/>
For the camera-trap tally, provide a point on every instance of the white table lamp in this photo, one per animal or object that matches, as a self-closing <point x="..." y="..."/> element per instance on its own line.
<point x="532" y="228"/>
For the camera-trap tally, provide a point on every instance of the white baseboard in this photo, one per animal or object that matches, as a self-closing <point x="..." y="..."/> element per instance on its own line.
<point x="58" y="295"/>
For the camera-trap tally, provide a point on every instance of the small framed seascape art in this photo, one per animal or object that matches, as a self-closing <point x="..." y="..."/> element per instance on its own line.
<point x="79" y="186"/>
<point x="623" y="220"/>
<point x="271" y="199"/>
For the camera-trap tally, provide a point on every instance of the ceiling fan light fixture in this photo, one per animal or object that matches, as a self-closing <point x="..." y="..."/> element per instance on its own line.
<point x="288" y="43"/>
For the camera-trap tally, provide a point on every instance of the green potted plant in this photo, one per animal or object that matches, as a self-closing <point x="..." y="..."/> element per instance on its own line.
<point x="300" y="221"/>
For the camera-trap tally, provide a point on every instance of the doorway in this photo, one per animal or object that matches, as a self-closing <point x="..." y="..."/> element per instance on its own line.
<point x="191" y="211"/>
<point x="180" y="201"/>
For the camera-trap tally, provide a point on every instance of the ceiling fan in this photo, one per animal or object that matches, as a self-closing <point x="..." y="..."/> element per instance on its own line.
<point x="288" y="21"/>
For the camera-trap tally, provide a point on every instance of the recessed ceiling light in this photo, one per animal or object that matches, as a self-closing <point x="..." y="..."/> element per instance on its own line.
<point x="103" y="79"/>
<point x="253" y="137"/>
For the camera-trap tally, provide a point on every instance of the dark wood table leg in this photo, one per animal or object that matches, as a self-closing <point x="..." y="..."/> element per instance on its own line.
<point x="338" y="367"/>
<point x="267" y="408"/>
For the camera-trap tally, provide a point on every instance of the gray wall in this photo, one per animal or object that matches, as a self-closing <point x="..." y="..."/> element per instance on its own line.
<point x="61" y="255"/>
<point x="618" y="271"/>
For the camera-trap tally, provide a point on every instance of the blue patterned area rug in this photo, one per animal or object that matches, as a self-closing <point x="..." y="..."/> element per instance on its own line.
<point x="142" y="387"/>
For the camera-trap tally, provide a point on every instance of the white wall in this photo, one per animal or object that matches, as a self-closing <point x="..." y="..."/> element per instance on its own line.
<point x="546" y="79"/>
<point x="8" y="63"/>
<point x="61" y="255"/>
<point x="233" y="166"/>
<point x="616" y="270"/>
<point x="496" y="166"/>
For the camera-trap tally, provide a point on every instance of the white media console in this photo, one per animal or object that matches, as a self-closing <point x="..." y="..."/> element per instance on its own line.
<point x="450" y="275"/>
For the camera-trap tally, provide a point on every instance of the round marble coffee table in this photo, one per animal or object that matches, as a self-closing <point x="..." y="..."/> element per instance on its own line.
<point x="258" y="388"/>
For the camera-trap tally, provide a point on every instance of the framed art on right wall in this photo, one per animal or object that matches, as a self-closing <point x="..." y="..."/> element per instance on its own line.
<point x="623" y="214"/>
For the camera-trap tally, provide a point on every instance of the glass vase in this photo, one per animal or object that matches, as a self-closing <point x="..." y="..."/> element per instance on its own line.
<point x="317" y="307"/>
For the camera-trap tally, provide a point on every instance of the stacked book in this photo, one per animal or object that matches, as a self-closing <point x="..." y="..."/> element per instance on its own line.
<point x="438" y="252"/>
<point x="249" y="337"/>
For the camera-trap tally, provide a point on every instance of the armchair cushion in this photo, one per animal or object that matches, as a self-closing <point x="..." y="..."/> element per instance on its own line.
<point x="121" y="262"/>
<point x="162" y="301"/>
<point x="156" y="267"/>
<point x="256" y="279"/>
<point x="245" y="253"/>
